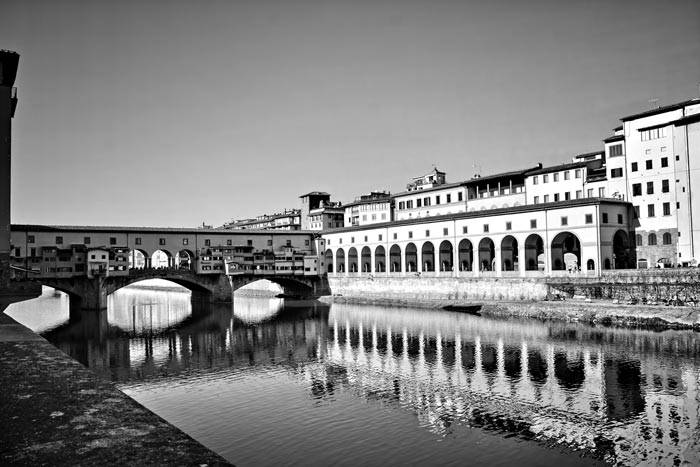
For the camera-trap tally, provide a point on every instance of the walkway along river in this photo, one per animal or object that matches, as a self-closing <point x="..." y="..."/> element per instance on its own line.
<point x="267" y="382"/>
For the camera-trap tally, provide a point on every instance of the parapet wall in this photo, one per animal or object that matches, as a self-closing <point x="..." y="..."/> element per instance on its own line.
<point x="438" y="289"/>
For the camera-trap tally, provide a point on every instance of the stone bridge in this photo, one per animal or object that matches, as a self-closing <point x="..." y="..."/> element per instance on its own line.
<point x="87" y="293"/>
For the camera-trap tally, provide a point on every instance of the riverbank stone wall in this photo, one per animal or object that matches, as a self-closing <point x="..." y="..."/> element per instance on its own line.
<point x="448" y="289"/>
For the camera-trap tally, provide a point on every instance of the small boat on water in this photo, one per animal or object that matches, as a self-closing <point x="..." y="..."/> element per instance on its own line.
<point x="469" y="309"/>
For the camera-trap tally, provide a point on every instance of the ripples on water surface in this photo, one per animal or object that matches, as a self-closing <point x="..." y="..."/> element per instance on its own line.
<point x="266" y="383"/>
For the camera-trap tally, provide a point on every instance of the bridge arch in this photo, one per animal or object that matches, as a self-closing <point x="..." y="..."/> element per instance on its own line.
<point x="139" y="258"/>
<point x="534" y="253"/>
<point x="487" y="254"/>
<point x="162" y="258"/>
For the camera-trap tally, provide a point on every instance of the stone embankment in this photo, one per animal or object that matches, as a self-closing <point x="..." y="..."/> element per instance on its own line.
<point x="590" y="300"/>
<point x="54" y="411"/>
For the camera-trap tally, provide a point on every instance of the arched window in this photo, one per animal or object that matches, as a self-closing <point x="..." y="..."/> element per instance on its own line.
<point x="590" y="265"/>
<point x="606" y="263"/>
<point x="667" y="238"/>
<point x="638" y="239"/>
<point x="652" y="239"/>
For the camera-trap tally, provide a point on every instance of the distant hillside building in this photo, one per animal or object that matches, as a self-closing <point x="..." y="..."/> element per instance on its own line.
<point x="289" y="219"/>
<point x="372" y="208"/>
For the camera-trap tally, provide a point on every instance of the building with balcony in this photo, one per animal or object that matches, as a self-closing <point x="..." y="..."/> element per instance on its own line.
<point x="289" y="219"/>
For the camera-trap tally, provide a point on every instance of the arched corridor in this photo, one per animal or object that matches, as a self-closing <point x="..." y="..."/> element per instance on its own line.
<point x="411" y="258"/>
<point x="534" y="253"/>
<point x="379" y="259"/>
<point x="352" y="260"/>
<point x="328" y="259"/>
<point x="428" y="257"/>
<point x="366" y="260"/>
<point x="566" y="252"/>
<point x="340" y="260"/>
<point x="509" y="253"/>
<point x="395" y="258"/>
<point x="446" y="255"/>
<point x="465" y="255"/>
<point x="487" y="254"/>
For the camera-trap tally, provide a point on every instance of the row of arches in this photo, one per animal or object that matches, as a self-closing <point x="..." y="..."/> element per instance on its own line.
<point x="140" y="259"/>
<point x="565" y="254"/>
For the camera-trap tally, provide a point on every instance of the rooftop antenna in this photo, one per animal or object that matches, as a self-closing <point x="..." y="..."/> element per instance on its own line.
<point x="654" y="102"/>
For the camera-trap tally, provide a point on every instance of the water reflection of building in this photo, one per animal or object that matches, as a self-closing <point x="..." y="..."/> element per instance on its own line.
<point x="630" y="394"/>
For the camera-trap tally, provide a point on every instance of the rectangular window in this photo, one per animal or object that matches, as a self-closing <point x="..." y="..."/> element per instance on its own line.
<point x="437" y="199"/>
<point x="555" y="177"/>
<point x="564" y="220"/>
<point x="419" y="203"/>
<point x="601" y="192"/>
<point x="30" y="238"/>
<point x="380" y="237"/>
<point x="535" y="181"/>
<point x="486" y="227"/>
<point x="32" y="252"/>
<point x="427" y="233"/>
<point x="664" y="186"/>
<point x="589" y="218"/>
<point x="448" y="198"/>
<point x="650" y="188"/>
<point x="545" y="178"/>
<point x="637" y="189"/>
<point x="635" y="167"/>
<point x="409" y="204"/>
<point x="567" y="196"/>
<point x="59" y="240"/>
<point x="509" y="226"/>
<point x="460" y="196"/>
<point x="229" y="242"/>
<point x="636" y="212"/>
<point x="269" y="242"/>
<point x="616" y="173"/>
<point x="250" y="242"/>
<point x="352" y="239"/>
<point x="616" y="150"/>
<point x="619" y="218"/>
<point x="161" y="241"/>
<point x="365" y="238"/>
<point x="426" y="201"/>
<point x="533" y="223"/>
<point x="185" y="241"/>
<point x="566" y="175"/>
<point x="649" y="164"/>
<point x="667" y="209"/>
<point x="289" y="243"/>
<point x="536" y="199"/>
<point x="579" y="194"/>
<point x="577" y="173"/>
<point x="605" y="218"/>
<point x="137" y="240"/>
<point x="464" y="229"/>
<point x="589" y="193"/>
<point x="546" y="198"/>
<point x="207" y="242"/>
<point x="650" y="210"/>
<point x="112" y="240"/>
<point x="664" y="162"/>
<point x="395" y="235"/>
<point x="410" y="234"/>
<point x="556" y="197"/>
<point x="86" y="240"/>
<point x="445" y="231"/>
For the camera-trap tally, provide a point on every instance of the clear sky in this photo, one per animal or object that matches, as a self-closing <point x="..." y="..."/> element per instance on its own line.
<point x="172" y="113"/>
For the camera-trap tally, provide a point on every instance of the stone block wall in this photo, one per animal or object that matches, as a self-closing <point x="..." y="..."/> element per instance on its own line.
<point x="447" y="289"/>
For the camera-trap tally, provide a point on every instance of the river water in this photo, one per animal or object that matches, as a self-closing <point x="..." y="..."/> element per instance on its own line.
<point x="269" y="382"/>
